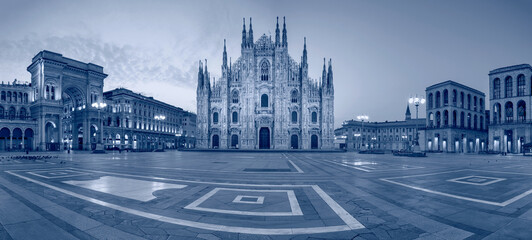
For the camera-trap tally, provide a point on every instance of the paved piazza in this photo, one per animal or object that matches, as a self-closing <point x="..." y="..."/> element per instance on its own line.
<point x="270" y="195"/>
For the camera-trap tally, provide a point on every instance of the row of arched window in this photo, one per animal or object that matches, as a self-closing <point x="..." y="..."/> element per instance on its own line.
<point x="508" y="87"/>
<point x="455" y="100"/>
<point x="508" y="113"/>
<point x="234" y="117"/>
<point x="8" y="96"/>
<point x="294" y="98"/>
<point x="11" y="113"/>
<point x="473" y="122"/>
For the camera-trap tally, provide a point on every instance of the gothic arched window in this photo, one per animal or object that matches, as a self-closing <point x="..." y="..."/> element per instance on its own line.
<point x="215" y="117"/>
<point x="521" y="85"/>
<point x="235" y="117"/>
<point x="264" y="101"/>
<point x="294" y="117"/>
<point x="521" y="111"/>
<point x="509" y="110"/>
<point x="496" y="88"/>
<point x="314" y="117"/>
<point x="235" y="97"/>
<point x="508" y="82"/>
<point x="264" y="71"/>
<point x="294" y="96"/>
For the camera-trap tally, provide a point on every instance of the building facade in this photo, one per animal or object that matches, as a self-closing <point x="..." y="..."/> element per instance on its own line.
<point x="55" y="111"/>
<point x="17" y="128"/>
<point x="265" y="99"/>
<point x="387" y="136"/>
<point x="510" y="99"/>
<point x="456" y="119"/>
<point x="133" y="121"/>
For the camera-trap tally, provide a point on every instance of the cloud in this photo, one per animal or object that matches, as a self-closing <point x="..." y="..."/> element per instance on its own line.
<point x="150" y="71"/>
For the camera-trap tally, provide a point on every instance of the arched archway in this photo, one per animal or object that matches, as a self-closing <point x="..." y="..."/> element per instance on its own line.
<point x="314" y="141"/>
<point x="5" y="135"/>
<point x="215" y="141"/>
<point x="17" y="138"/>
<point x="51" y="136"/>
<point x="28" y="139"/>
<point x="294" y="141"/>
<point x="234" y="141"/>
<point x="264" y="138"/>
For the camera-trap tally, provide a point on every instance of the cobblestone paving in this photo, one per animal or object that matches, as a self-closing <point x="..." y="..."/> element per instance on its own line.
<point x="265" y="195"/>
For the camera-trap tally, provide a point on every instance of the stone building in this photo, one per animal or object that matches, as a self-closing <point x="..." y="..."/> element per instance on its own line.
<point x="388" y="135"/>
<point x="55" y="111"/>
<point x="265" y="99"/>
<point x="510" y="99"/>
<point x="456" y="118"/>
<point x="133" y="121"/>
<point x="17" y="128"/>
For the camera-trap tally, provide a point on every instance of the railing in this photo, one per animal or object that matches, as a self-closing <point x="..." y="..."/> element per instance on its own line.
<point x="453" y="127"/>
<point x="15" y="117"/>
<point x="511" y="122"/>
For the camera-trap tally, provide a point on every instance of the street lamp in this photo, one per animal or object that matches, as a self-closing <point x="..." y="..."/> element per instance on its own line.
<point x="99" y="106"/>
<point x="404" y="137"/>
<point x="416" y="101"/>
<point x="362" y="118"/>
<point x="160" y="118"/>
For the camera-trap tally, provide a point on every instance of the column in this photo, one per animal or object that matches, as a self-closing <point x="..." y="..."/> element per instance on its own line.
<point x="23" y="142"/>
<point x="60" y="126"/>
<point x="86" y="131"/>
<point x="10" y="140"/>
<point x="42" y="130"/>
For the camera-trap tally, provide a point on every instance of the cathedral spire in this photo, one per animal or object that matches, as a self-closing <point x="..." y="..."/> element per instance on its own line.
<point x="250" y="38"/>
<point x="305" y="52"/>
<point x="330" y="75"/>
<point x="408" y="116"/>
<point x="324" y="74"/>
<point x="206" y="77"/>
<point x="224" y="64"/>
<point x="277" y="37"/>
<point x="285" y="41"/>
<point x="244" y="38"/>
<point x="200" y="75"/>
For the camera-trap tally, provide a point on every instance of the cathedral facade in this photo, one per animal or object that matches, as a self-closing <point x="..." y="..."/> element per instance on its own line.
<point x="265" y="99"/>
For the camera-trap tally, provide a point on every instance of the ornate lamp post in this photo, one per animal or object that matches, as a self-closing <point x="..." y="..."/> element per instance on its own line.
<point x="362" y="118"/>
<point x="99" y="106"/>
<point x="416" y="101"/>
<point x="160" y="118"/>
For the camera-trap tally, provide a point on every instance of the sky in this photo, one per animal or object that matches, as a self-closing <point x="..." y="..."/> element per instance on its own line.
<point x="382" y="52"/>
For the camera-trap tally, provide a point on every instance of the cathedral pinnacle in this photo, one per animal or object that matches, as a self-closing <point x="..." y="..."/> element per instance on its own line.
<point x="250" y="38"/>
<point x="244" y="37"/>
<point x="224" y="64"/>
<point x="277" y="37"/>
<point x="285" y="41"/>
<point x="304" y="61"/>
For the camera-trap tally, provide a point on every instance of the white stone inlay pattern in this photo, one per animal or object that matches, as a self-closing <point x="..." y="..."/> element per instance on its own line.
<point x="140" y="190"/>
<point x="258" y="199"/>
<point x="476" y="180"/>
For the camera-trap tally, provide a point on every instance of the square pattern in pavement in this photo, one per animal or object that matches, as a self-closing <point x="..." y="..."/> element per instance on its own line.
<point x="481" y="186"/>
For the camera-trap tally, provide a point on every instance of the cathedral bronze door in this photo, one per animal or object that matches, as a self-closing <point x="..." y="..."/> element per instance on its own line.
<point x="234" y="141"/>
<point x="215" y="141"/>
<point x="314" y="142"/>
<point x="294" y="142"/>
<point x="264" y="138"/>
